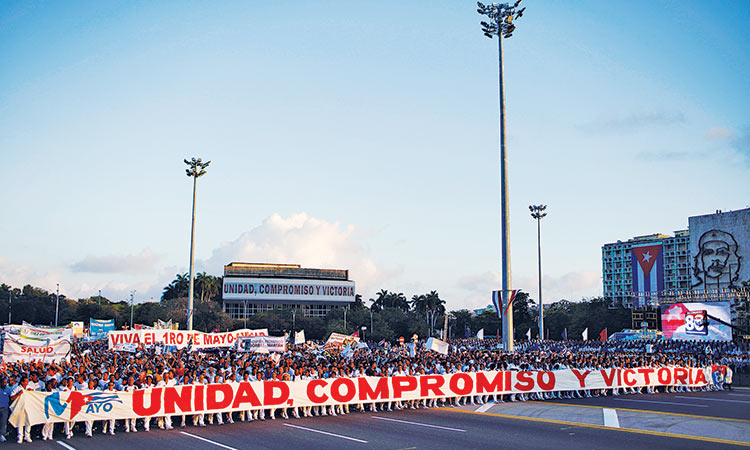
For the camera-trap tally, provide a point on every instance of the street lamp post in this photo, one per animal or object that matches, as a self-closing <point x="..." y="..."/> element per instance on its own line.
<point x="132" y="294"/>
<point x="537" y="212"/>
<point x="10" y="306"/>
<point x="100" y="297"/>
<point x="501" y="18"/>
<point x="57" y="303"/>
<point x="196" y="169"/>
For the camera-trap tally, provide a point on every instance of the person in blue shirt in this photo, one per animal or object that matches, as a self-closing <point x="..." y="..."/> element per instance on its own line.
<point x="4" y="407"/>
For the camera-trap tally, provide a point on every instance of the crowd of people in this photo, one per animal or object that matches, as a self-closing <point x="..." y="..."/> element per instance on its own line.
<point x="91" y="366"/>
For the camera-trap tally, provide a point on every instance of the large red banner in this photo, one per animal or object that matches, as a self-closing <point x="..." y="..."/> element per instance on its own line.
<point x="44" y="407"/>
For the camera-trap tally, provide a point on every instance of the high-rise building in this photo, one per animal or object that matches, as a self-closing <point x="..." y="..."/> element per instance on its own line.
<point x="708" y="262"/>
<point x="660" y="262"/>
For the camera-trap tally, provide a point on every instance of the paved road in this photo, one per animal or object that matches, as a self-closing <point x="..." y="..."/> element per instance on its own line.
<point x="521" y="425"/>
<point x="734" y="404"/>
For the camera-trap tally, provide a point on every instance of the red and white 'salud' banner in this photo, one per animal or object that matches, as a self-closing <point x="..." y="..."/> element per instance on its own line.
<point x="18" y="348"/>
<point x="180" y="338"/>
<point x="33" y="407"/>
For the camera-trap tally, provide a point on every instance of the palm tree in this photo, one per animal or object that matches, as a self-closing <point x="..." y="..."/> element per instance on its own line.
<point x="380" y="301"/>
<point x="207" y="285"/>
<point x="177" y="288"/>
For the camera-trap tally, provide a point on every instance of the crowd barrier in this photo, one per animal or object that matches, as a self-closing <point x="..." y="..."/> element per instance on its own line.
<point x="34" y="407"/>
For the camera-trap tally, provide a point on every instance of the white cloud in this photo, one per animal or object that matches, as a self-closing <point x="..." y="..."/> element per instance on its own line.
<point x="305" y="240"/>
<point x="143" y="262"/>
<point x="572" y="286"/>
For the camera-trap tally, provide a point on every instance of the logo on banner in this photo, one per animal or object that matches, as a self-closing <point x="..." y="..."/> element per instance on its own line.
<point x="94" y="402"/>
<point x="695" y="323"/>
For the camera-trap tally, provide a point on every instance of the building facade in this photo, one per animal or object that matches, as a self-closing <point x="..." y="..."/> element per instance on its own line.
<point x="618" y="266"/>
<point x="252" y="288"/>
<point x="709" y="262"/>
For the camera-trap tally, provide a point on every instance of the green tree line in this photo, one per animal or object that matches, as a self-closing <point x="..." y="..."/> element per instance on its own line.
<point x="389" y="315"/>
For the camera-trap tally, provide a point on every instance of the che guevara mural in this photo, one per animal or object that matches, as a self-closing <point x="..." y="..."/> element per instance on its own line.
<point x="719" y="250"/>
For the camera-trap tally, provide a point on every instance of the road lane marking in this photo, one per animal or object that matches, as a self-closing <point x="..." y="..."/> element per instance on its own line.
<point x="420" y="424"/>
<point x="486" y="407"/>
<point x="602" y="427"/>
<point x="740" y="395"/>
<point x="65" y="445"/>
<point x="610" y="418"/>
<point x="325" y="432"/>
<point x="661" y="403"/>
<point x="711" y="398"/>
<point x="218" y="444"/>
<point x="648" y="411"/>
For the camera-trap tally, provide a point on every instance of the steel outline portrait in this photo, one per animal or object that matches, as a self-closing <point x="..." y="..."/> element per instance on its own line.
<point x="717" y="257"/>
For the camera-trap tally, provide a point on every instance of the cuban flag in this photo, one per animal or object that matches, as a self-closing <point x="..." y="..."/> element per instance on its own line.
<point x="647" y="262"/>
<point x="497" y="302"/>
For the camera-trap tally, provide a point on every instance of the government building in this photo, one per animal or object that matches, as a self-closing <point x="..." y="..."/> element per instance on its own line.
<point x="251" y="288"/>
<point x="708" y="262"/>
<point x="617" y="269"/>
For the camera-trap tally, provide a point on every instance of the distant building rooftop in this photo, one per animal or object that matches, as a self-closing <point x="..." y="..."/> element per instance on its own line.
<point x="266" y="270"/>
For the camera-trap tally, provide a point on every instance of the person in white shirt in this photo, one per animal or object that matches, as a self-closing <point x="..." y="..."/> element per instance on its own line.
<point x="168" y="381"/>
<point x="148" y="384"/>
<point x="67" y="386"/>
<point x="48" y="429"/>
<point x="130" y="423"/>
<point x="24" y="431"/>
<point x="110" y="389"/>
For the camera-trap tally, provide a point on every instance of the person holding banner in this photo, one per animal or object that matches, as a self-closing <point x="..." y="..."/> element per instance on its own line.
<point x="24" y="431"/>
<point x="130" y="423"/>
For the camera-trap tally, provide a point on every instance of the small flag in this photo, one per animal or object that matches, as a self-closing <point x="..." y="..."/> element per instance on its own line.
<point x="480" y="334"/>
<point x="215" y="330"/>
<point x="528" y="334"/>
<point x="299" y="337"/>
<point x="585" y="334"/>
<point x="356" y="334"/>
<point x="565" y="334"/>
<point x="603" y="335"/>
<point x="496" y="302"/>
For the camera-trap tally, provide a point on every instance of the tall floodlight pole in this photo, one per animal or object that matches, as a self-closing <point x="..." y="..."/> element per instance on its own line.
<point x="57" y="302"/>
<point x="537" y="212"/>
<point x="10" y="306"/>
<point x="196" y="169"/>
<point x="100" y="297"/>
<point x="500" y="24"/>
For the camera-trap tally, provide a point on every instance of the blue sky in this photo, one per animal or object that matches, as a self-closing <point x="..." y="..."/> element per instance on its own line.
<point x="360" y="136"/>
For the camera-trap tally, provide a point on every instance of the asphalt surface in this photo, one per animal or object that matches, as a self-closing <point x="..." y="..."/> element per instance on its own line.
<point x="733" y="404"/>
<point x="519" y="425"/>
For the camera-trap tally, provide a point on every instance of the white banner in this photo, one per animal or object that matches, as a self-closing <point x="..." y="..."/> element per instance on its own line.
<point x="30" y="331"/>
<point x="22" y="349"/>
<point x="299" y="337"/>
<point x="336" y="339"/>
<point x="437" y="345"/>
<point x="261" y="344"/>
<point x="33" y="407"/>
<point x="180" y="338"/>
<point x="288" y="290"/>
